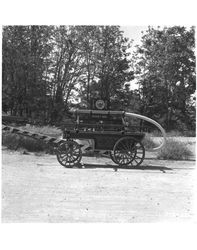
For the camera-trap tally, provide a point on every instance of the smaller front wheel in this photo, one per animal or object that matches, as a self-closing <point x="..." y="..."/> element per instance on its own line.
<point x="69" y="153"/>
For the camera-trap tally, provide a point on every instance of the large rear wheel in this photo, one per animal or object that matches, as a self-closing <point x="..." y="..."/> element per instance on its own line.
<point x="128" y="151"/>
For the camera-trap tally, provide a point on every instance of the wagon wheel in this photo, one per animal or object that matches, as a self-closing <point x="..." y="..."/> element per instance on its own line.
<point x="139" y="154"/>
<point x="128" y="151"/>
<point x="69" y="153"/>
<point x="112" y="157"/>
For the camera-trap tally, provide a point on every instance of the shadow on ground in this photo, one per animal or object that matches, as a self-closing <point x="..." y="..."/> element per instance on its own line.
<point x="143" y="167"/>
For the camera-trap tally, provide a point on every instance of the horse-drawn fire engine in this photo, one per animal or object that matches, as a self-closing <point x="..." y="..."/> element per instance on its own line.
<point x="106" y="131"/>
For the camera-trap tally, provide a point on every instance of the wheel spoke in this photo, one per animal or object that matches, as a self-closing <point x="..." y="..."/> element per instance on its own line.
<point x="123" y="146"/>
<point x="136" y="161"/>
<point x="64" y="157"/>
<point x="128" y="145"/>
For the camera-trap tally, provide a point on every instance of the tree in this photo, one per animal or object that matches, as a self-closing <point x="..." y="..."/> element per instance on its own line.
<point x="45" y="68"/>
<point x="107" y="67"/>
<point x="65" y="69"/>
<point x="24" y="53"/>
<point x="166" y="74"/>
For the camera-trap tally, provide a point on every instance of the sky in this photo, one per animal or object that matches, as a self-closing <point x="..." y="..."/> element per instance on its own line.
<point x="134" y="32"/>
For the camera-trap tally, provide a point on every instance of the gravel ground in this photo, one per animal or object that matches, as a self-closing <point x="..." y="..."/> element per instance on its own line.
<point x="36" y="188"/>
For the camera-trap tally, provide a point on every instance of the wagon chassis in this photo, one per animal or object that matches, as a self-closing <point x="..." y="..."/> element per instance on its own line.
<point x="123" y="146"/>
<point x="127" y="151"/>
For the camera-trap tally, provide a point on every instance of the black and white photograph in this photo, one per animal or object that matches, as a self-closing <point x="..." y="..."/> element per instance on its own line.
<point x="98" y="123"/>
<point x="97" y="126"/>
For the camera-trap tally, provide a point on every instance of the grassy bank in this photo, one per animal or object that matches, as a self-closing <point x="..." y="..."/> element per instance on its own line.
<point x="17" y="142"/>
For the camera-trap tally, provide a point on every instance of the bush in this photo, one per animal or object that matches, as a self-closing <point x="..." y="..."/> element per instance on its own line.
<point x="45" y="130"/>
<point x="148" y="142"/>
<point x="175" y="133"/>
<point x="174" y="150"/>
<point x="189" y="133"/>
<point x="14" y="142"/>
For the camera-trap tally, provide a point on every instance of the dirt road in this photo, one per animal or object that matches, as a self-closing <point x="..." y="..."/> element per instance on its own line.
<point x="38" y="189"/>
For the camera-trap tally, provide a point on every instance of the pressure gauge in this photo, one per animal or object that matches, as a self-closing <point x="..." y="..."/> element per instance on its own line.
<point x="100" y="104"/>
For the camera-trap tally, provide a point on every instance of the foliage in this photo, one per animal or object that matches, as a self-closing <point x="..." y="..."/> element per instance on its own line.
<point x="174" y="150"/>
<point x="45" y="130"/>
<point x="165" y="65"/>
<point x="148" y="142"/>
<point x="107" y="67"/>
<point x="16" y="142"/>
<point x="25" y="49"/>
<point x="45" y="68"/>
<point x="174" y="133"/>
